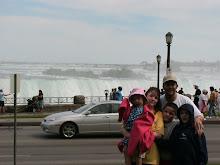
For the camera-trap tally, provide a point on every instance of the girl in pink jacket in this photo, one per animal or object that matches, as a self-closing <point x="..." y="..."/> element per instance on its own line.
<point x="137" y="120"/>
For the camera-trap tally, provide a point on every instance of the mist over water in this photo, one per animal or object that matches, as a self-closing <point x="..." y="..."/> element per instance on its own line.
<point x="33" y="79"/>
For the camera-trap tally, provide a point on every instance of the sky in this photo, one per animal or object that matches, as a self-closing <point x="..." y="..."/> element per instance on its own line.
<point x="108" y="31"/>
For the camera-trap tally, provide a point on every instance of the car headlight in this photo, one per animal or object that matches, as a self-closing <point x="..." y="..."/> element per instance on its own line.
<point x="50" y="120"/>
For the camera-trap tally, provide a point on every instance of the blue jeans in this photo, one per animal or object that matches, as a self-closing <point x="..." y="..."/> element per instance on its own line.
<point x="40" y="104"/>
<point x="212" y="109"/>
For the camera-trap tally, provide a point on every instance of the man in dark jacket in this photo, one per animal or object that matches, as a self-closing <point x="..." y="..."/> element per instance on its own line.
<point x="196" y="95"/>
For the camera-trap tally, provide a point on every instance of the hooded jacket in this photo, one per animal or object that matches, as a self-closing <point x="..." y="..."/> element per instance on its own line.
<point x="187" y="147"/>
<point x="140" y="133"/>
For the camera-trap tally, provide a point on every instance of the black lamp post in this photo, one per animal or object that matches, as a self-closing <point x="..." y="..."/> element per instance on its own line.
<point x="158" y="70"/>
<point x="169" y="38"/>
<point x="106" y="95"/>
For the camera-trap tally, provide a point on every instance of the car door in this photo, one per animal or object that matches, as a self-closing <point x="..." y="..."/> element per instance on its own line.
<point x="114" y="125"/>
<point x="97" y="120"/>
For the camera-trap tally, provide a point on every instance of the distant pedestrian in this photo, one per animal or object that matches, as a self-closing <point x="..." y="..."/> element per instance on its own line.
<point x="114" y="92"/>
<point x="212" y="101"/>
<point x="216" y="93"/>
<point x="196" y="95"/>
<point x="162" y="92"/>
<point x="205" y="92"/>
<point x="202" y="100"/>
<point x="111" y="94"/>
<point x="40" y="101"/>
<point x="218" y="102"/>
<point x="118" y="95"/>
<point x="181" y="91"/>
<point x="2" y="103"/>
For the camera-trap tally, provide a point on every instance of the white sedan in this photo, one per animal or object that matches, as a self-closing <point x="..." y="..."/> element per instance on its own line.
<point x="97" y="117"/>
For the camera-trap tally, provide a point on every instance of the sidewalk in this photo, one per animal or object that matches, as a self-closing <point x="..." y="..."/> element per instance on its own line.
<point x="23" y="121"/>
<point x="37" y="121"/>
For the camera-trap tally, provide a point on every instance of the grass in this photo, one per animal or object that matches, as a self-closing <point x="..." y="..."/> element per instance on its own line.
<point x="25" y="116"/>
<point x="206" y="113"/>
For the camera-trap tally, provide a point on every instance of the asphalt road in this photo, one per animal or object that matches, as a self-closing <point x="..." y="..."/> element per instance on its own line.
<point x="36" y="147"/>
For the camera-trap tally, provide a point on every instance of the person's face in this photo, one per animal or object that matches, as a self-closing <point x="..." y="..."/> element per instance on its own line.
<point x="152" y="99"/>
<point x="137" y="100"/>
<point x="185" y="116"/>
<point x="168" y="114"/>
<point x="170" y="87"/>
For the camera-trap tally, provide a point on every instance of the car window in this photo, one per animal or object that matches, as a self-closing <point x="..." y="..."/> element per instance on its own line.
<point x="115" y="108"/>
<point x="101" y="109"/>
<point x="83" y="108"/>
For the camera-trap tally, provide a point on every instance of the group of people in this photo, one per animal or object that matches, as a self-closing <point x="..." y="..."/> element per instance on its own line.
<point x="39" y="101"/>
<point x="205" y="102"/>
<point x="152" y="136"/>
<point x="116" y="94"/>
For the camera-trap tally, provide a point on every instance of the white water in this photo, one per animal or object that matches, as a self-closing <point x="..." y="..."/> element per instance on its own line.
<point x="32" y="80"/>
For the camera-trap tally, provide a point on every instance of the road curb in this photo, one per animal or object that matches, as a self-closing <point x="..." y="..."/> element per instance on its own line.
<point x="37" y="123"/>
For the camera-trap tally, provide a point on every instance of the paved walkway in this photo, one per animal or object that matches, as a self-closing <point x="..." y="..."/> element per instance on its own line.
<point x="23" y="121"/>
<point x="37" y="121"/>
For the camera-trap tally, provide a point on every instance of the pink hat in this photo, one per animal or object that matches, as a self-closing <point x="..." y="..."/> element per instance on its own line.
<point x="137" y="91"/>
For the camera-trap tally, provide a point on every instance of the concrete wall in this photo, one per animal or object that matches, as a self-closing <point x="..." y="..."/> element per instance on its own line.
<point x="47" y="108"/>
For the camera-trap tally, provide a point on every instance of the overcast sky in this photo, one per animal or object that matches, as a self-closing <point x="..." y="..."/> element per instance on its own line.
<point x="108" y="31"/>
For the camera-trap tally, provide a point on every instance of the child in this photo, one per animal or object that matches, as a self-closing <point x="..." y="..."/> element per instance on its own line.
<point x="169" y="113"/>
<point x="152" y="156"/>
<point x="138" y="120"/>
<point x="187" y="147"/>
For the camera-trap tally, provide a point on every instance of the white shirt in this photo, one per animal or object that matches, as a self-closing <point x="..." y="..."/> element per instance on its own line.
<point x="202" y="97"/>
<point x="180" y="100"/>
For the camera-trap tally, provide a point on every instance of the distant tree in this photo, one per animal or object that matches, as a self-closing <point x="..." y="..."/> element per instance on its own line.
<point x="144" y="63"/>
<point x="70" y="72"/>
<point x="122" y="73"/>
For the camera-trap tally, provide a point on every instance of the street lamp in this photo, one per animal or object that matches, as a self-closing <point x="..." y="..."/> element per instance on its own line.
<point x="169" y="38"/>
<point x="158" y="70"/>
<point x="106" y="95"/>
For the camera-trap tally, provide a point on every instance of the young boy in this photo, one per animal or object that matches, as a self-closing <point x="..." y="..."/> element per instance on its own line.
<point x="186" y="146"/>
<point x="169" y="113"/>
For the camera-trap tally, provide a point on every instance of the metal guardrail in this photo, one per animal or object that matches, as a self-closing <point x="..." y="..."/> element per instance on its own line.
<point x="55" y="100"/>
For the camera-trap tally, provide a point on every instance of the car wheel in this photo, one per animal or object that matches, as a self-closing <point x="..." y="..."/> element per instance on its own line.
<point x="68" y="130"/>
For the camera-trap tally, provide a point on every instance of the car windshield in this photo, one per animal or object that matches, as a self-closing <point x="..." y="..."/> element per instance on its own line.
<point x="83" y="108"/>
